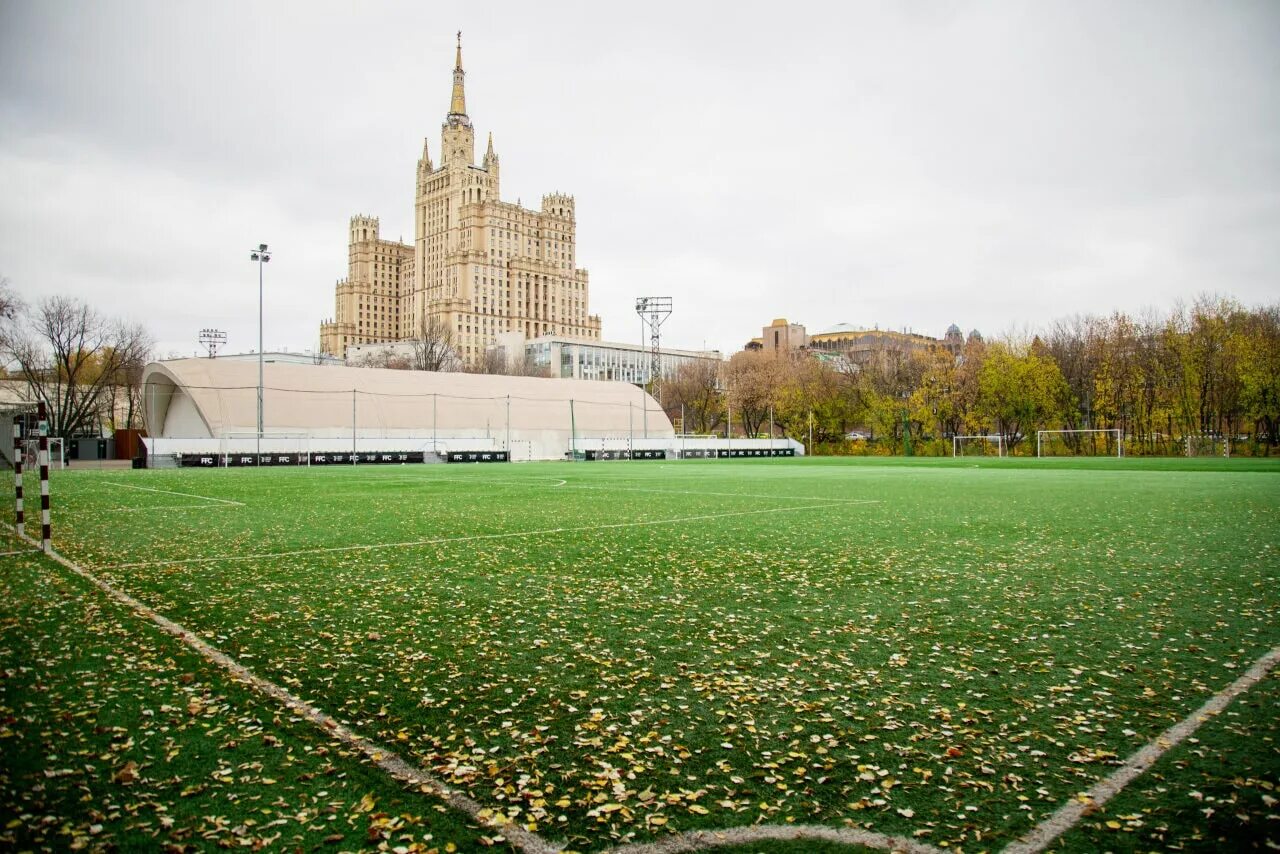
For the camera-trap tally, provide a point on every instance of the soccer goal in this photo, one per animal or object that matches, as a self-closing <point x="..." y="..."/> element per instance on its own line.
<point x="1207" y="446"/>
<point x="295" y="445"/>
<point x="57" y="453"/>
<point x="1108" y="442"/>
<point x="977" y="446"/>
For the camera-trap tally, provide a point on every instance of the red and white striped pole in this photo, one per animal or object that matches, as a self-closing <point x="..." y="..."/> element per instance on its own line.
<point x="17" y="474"/>
<point x="45" y="539"/>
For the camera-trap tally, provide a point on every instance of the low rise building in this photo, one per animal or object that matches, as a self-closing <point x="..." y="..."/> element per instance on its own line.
<point x="852" y="345"/>
<point x="574" y="358"/>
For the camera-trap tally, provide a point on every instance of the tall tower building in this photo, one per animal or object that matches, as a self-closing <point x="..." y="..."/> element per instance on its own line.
<point x="478" y="264"/>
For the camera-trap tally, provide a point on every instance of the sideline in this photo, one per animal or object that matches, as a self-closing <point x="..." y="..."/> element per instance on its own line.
<point x="1068" y="816"/>
<point x="388" y="760"/>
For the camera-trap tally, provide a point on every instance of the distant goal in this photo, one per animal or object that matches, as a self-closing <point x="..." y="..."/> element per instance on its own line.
<point x="1108" y="442"/>
<point x="1207" y="446"/>
<point x="978" y="446"/>
<point x="57" y="453"/>
<point x="295" y="445"/>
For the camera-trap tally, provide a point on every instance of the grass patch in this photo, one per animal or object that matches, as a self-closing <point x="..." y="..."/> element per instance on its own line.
<point x="946" y="649"/>
<point x="116" y="736"/>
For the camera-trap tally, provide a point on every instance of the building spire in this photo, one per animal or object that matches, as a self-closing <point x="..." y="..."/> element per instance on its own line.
<point x="458" y="105"/>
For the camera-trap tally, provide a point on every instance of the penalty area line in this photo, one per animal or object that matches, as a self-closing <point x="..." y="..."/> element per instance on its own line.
<point x="226" y="501"/>
<point x="387" y="760"/>
<point x="1068" y="816"/>
<point x="510" y="535"/>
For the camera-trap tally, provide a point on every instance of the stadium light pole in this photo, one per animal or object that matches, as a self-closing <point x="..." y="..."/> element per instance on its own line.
<point x="262" y="256"/>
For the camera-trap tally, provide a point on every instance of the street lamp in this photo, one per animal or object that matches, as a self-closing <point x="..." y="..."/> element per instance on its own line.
<point x="262" y="256"/>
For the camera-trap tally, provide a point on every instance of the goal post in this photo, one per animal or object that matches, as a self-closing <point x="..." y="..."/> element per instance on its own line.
<point x="248" y="442"/>
<point x="962" y="446"/>
<point x="1101" y="442"/>
<point x="1201" y="445"/>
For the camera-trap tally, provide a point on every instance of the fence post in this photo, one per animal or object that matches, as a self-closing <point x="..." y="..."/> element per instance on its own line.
<point x="353" y="426"/>
<point x="509" y="429"/>
<point x="573" y="435"/>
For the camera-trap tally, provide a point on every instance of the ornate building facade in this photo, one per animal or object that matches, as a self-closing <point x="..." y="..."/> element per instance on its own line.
<point x="478" y="265"/>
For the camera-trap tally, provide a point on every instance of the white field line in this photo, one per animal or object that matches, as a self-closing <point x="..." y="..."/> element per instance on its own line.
<point x="1034" y="842"/>
<point x="698" y="840"/>
<point x="388" y="760"/>
<point x="170" y="507"/>
<point x="611" y="488"/>
<point x="226" y="501"/>
<point x="20" y="552"/>
<point x="1044" y="834"/>
<point x="470" y="538"/>
<point x="608" y="487"/>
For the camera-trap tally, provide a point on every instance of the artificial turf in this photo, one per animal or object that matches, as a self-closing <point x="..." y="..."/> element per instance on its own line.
<point x="609" y="652"/>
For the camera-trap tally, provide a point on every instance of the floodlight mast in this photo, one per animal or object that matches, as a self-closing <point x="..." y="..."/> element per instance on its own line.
<point x="653" y="313"/>
<point x="212" y="339"/>
<point x="262" y="256"/>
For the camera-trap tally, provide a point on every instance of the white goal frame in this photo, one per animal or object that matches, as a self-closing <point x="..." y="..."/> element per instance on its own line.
<point x="1213" y="445"/>
<point x="226" y="440"/>
<point x="1118" y="433"/>
<point x="998" y="437"/>
<point x="57" y="453"/>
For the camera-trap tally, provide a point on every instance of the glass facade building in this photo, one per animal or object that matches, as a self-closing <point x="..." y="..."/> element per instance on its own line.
<point x="569" y="358"/>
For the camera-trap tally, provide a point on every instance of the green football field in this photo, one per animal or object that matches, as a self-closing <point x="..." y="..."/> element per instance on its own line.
<point x="946" y="651"/>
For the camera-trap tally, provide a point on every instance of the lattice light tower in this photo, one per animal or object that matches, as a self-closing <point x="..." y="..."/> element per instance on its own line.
<point x="212" y="339"/>
<point x="653" y="313"/>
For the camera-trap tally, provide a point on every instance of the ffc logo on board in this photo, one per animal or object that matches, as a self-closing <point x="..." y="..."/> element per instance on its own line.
<point x="625" y="455"/>
<point x="477" y="457"/>
<point x="315" y="459"/>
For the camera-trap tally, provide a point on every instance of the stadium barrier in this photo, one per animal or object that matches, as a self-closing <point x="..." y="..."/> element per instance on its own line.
<point x="380" y="427"/>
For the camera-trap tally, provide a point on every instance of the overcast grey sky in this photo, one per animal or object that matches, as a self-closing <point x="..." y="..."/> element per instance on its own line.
<point x="903" y="164"/>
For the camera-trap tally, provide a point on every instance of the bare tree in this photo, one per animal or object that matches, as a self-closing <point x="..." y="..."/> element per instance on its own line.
<point x="433" y="345"/>
<point x="752" y="379"/>
<point x="385" y="358"/>
<point x="121" y="406"/>
<point x="71" y="355"/>
<point x="495" y="360"/>
<point x="10" y="309"/>
<point x="695" y="390"/>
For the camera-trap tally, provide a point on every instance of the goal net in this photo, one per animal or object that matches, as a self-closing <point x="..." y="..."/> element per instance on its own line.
<point x="31" y="453"/>
<point x="1207" y="446"/>
<point x="977" y="446"/>
<point x="1107" y="442"/>
<point x="296" y="446"/>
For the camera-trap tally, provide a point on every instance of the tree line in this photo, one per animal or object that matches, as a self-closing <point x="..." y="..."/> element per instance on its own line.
<point x="1210" y="369"/>
<point x="86" y="367"/>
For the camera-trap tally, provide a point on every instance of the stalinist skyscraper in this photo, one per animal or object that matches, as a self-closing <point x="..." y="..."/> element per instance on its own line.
<point x="478" y="264"/>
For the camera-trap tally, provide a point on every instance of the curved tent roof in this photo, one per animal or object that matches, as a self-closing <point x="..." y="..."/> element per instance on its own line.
<point x="209" y="398"/>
